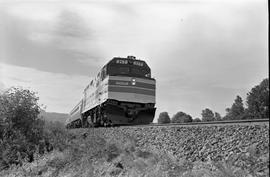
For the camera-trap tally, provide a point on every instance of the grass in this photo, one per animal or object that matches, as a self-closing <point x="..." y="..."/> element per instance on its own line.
<point x="88" y="155"/>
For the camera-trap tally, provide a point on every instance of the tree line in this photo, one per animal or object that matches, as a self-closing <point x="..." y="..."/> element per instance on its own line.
<point x="257" y="107"/>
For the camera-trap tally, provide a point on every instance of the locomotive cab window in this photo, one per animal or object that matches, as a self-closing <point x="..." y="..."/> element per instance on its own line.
<point x="116" y="70"/>
<point x="124" y="70"/>
<point x="140" y="72"/>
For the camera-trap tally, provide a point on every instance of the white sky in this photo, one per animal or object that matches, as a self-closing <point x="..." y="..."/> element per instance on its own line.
<point x="202" y="53"/>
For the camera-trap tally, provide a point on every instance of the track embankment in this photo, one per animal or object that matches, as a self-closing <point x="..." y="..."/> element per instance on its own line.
<point x="200" y="143"/>
<point x="231" y="150"/>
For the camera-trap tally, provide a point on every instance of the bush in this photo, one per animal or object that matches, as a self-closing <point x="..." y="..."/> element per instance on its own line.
<point x="237" y="110"/>
<point x="208" y="115"/>
<point x="196" y="120"/>
<point x="56" y="136"/>
<point x="181" y="117"/>
<point x="164" y="118"/>
<point x="218" y="117"/>
<point x="21" y="130"/>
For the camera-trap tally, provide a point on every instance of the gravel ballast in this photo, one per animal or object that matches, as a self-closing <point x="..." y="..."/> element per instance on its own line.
<point x="199" y="143"/>
<point x="147" y="151"/>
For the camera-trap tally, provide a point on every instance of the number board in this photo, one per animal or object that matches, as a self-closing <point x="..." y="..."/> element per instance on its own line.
<point x="121" y="61"/>
<point x="137" y="63"/>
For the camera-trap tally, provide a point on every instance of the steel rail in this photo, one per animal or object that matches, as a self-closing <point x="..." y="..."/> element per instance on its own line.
<point x="211" y="123"/>
<point x="224" y="122"/>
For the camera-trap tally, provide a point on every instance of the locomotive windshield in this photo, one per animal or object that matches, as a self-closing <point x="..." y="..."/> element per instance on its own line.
<point x="128" y="67"/>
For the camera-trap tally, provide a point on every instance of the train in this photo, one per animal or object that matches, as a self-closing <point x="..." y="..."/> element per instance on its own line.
<point x="122" y="93"/>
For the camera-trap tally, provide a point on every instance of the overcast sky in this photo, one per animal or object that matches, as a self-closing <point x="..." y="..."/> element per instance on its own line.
<point x="202" y="52"/>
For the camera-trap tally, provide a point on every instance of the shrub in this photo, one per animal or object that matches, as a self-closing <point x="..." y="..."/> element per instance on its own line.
<point x="56" y="136"/>
<point x="237" y="110"/>
<point x="21" y="130"/>
<point x="164" y="118"/>
<point x="196" y="120"/>
<point x="207" y="115"/>
<point x="217" y="117"/>
<point x="181" y="117"/>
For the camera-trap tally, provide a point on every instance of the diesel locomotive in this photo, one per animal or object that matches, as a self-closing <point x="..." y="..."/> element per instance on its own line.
<point x="122" y="93"/>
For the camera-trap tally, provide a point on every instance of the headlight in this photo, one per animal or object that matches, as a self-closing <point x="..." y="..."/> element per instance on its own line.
<point x="133" y="82"/>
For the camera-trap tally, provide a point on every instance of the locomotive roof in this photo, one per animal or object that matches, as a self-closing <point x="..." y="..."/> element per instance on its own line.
<point x="129" y="58"/>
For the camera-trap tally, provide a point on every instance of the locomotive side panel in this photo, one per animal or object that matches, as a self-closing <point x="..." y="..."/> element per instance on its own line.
<point x="73" y="120"/>
<point x="89" y="97"/>
<point x="95" y="95"/>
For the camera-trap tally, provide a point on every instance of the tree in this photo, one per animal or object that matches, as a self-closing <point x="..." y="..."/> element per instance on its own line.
<point x="164" y="118"/>
<point x="258" y="101"/>
<point x="217" y="116"/>
<point x="196" y="120"/>
<point x="207" y="115"/>
<point x="19" y="109"/>
<point x="181" y="117"/>
<point x="21" y="130"/>
<point x="227" y="115"/>
<point x="237" y="110"/>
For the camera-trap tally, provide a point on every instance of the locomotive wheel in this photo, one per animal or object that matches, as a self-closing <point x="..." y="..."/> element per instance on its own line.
<point x="102" y="122"/>
<point x="110" y="124"/>
<point x="106" y="123"/>
<point x="90" y="122"/>
<point x="78" y="124"/>
<point x="84" y="123"/>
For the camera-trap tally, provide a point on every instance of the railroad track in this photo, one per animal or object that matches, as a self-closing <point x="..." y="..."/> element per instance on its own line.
<point x="212" y="123"/>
